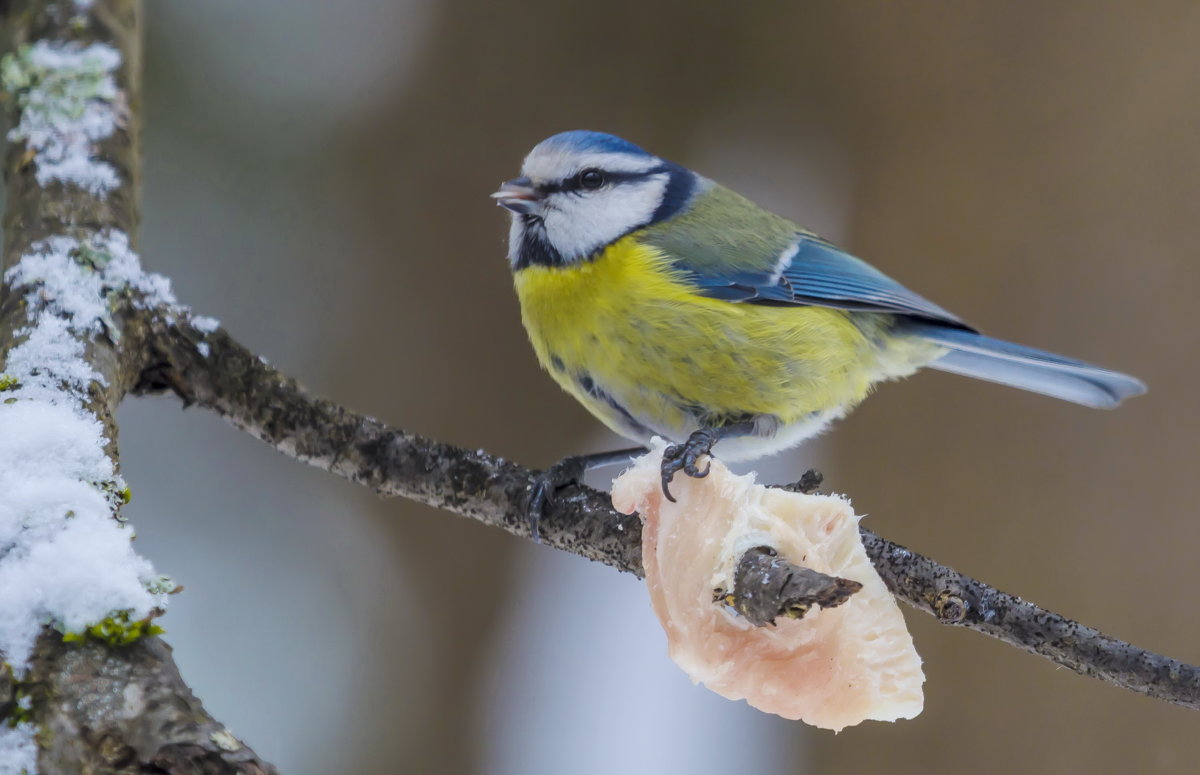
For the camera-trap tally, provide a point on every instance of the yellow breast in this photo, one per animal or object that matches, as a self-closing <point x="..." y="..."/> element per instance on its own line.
<point x="630" y="323"/>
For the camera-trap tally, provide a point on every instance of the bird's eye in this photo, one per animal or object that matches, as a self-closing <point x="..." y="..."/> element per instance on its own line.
<point x="591" y="179"/>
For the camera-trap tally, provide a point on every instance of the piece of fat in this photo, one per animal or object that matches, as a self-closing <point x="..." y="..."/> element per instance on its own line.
<point x="835" y="667"/>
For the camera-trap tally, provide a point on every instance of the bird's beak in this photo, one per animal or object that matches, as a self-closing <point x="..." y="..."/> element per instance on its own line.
<point x="518" y="195"/>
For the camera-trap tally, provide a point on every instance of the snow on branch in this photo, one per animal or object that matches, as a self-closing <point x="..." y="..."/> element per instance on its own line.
<point x="69" y="101"/>
<point x="65" y="552"/>
<point x="76" y="601"/>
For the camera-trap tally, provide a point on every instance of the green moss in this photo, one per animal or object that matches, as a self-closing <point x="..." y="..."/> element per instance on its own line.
<point x="7" y="382"/>
<point x="117" y="493"/>
<point x="16" y="706"/>
<point x="21" y="711"/>
<point x="116" y="630"/>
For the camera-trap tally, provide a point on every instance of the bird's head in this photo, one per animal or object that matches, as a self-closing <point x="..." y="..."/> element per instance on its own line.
<point x="580" y="191"/>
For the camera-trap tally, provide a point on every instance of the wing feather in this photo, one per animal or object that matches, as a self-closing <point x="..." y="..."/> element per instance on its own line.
<point x="733" y="250"/>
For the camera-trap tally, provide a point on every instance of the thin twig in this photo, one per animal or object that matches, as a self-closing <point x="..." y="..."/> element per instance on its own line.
<point x="962" y="601"/>
<point x="259" y="400"/>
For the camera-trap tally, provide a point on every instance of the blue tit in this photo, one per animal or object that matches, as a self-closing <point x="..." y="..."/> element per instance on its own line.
<point x="671" y="306"/>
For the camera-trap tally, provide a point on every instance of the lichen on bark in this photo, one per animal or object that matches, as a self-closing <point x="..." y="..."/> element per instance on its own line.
<point x="111" y="700"/>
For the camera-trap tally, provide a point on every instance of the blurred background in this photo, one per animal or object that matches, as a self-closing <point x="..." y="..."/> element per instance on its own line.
<point x="316" y="176"/>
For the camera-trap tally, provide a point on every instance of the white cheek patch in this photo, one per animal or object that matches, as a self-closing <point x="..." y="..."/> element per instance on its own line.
<point x="579" y="224"/>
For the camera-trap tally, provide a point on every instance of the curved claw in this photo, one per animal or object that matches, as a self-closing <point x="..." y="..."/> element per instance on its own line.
<point x="562" y="474"/>
<point x="667" y="472"/>
<point x="683" y="457"/>
<point x="536" y="507"/>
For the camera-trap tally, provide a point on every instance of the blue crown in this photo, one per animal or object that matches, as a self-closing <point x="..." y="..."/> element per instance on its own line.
<point x="584" y="140"/>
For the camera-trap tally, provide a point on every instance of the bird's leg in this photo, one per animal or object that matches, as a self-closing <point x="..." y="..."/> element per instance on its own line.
<point x="568" y="471"/>
<point x="683" y="457"/>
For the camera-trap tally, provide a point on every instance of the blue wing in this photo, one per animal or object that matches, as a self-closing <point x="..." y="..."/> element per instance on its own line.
<point x="820" y="274"/>
<point x="815" y="272"/>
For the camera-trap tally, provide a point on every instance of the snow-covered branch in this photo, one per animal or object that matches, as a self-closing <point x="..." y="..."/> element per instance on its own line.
<point x="76" y="602"/>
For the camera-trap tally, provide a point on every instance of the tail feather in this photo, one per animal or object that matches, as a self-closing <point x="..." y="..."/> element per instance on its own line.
<point x="994" y="360"/>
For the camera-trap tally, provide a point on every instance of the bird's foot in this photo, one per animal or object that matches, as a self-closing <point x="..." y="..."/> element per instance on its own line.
<point x="564" y="473"/>
<point x="683" y="457"/>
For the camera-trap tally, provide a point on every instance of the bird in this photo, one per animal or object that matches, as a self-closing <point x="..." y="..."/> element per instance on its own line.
<point x="669" y="305"/>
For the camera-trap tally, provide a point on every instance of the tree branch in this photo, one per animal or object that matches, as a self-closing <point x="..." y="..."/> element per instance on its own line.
<point x="272" y="407"/>
<point x="127" y="709"/>
<point x="959" y="600"/>
<point x="73" y="178"/>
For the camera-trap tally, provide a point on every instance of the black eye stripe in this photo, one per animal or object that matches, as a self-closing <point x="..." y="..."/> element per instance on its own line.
<point x="572" y="184"/>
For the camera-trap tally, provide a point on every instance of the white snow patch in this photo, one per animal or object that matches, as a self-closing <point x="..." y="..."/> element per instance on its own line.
<point x="71" y="288"/>
<point x="49" y="359"/>
<point x="67" y="288"/>
<point x="95" y="176"/>
<point x="18" y="750"/>
<point x="125" y="270"/>
<point x="204" y="324"/>
<point x="56" y="55"/>
<point x="68" y="99"/>
<point x="64" y="559"/>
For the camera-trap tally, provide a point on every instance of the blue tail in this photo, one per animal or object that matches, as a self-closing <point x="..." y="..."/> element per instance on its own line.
<point x="981" y="357"/>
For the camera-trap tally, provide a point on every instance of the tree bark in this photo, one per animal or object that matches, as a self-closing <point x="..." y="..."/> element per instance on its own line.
<point x="97" y="707"/>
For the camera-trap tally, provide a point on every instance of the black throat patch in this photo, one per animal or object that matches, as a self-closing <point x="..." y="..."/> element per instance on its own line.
<point x="535" y="248"/>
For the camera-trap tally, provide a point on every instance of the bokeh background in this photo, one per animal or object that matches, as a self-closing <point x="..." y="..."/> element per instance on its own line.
<point x="317" y="177"/>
